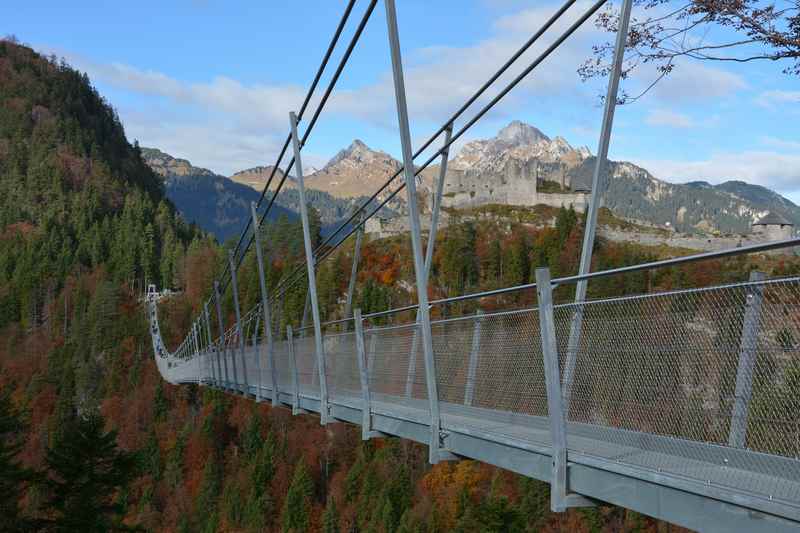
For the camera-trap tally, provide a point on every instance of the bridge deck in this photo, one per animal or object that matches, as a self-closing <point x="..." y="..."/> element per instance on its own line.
<point x="652" y="417"/>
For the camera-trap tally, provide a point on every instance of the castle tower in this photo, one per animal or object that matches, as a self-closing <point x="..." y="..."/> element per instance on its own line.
<point x="773" y="227"/>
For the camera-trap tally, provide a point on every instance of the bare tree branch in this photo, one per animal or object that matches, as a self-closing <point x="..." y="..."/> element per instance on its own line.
<point x="767" y="31"/>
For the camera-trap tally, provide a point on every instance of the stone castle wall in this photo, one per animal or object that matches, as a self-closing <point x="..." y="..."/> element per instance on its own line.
<point x="701" y="242"/>
<point x="514" y="184"/>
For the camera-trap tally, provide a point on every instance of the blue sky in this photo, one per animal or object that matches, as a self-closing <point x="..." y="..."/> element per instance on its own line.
<point x="214" y="81"/>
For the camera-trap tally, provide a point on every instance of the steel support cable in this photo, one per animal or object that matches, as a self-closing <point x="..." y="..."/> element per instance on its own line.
<point x="544" y="55"/>
<point x="331" y="46"/>
<point x="334" y="79"/>
<point x="577" y="24"/>
<point x="533" y="39"/>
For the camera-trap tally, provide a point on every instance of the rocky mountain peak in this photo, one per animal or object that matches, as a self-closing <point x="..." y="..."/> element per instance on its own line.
<point x="520" y="133"/>
<point x="354" y="171"/>
<point x="358" y="153"/>
<point x="257" y="177"/>
<point x="167" y="166"/>
<point x="519" y="141"/>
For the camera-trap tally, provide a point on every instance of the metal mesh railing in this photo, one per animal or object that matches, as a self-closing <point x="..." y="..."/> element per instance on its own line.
<point x="393" y="354"/>
<point x="305" y="356"/>
<point x="341" y="366"/>
<point x="283" y="366"/>
<point x="490" y="368"/>
<point x="656" y="375"/>
<point x="697" y="384"/>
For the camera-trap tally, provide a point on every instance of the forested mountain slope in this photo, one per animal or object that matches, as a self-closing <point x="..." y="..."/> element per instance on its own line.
<point x="221" y="205"/>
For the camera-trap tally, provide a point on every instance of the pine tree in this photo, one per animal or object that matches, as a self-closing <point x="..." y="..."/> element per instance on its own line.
<point x="14" y="478"/>
<point x="87" y="471"/>
<point x="330" y="519"/>
<point x="297" y="507"/>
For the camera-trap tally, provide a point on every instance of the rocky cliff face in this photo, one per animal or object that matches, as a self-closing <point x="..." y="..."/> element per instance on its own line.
<point x="256" y="178"/>
<point x="167" y="166"/>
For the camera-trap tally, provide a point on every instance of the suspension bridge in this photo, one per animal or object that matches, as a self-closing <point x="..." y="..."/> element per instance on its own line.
<point x="682" y="405"/>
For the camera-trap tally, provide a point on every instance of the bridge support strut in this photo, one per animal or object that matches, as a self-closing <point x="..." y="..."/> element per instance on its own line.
<point x="436" y="452"/>
<point x="312" y="277"/>
<point x="472" y="369"/>
<point x="265" y="307"/>
<point x="218" y="378"/>
<point x="351" y="286"/>
<point x="598" y="183"/>
<point x="239" y="329"/>
<point x="224" y="349"/>
<point x="437" y="204"/>
<point x="295" y="378"/>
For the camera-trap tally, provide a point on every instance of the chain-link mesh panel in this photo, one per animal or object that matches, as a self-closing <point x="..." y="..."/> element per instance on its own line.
<point x="305" y="355"/>
<point x="257" y="376"/>
<point x="341" y="366"/>
<point x="490" y="373"/>
<point x="395" y="363"/>
<point x="283" y="366"/>
<point x="655" y="383"/>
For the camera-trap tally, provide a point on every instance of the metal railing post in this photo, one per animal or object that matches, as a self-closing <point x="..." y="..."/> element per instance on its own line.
<point x="239" y="332"/>
<point x="207" y="348"/>
<point x="197" y="352"/>
<point x="560" y="498"/>
<point x="748" y="352"/>
<point x="194" y="340"/>
<point x="265" y="306"/>
<point x="256" y="352"/>
<point x="371" y="352"/>
<point x="416" y="239"/>
<point x="472" y="370"/>
<point x="366" y="405"/>
<point x="212" y="346"/>
<point x="295" y="377"/>
<point x="598" y="182"/>
<point x="555" y="413"/>
<point x="312" y="278"/>
<point x="223" y="347"/>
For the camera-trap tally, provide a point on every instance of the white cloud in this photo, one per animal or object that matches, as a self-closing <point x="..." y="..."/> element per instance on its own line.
<point x="777" y="171"/>
<point x="689" y="82"/>
<point x="232" y="124"/>
<point x="664" y="117"/>
<point x="264" y="106"/>
<point x="775" y="99"/>
<point x="781" y="144"/>
<point x="221" y="148"/>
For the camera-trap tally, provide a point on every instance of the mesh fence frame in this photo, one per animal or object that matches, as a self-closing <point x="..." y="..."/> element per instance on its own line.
<point x="390" y="351"/>
<point x="341" y="366"/>
<point x="283" y="366"/>
<point x="509" y="396"/>
<point x="655" y="381"/>
<point x="305" y="354"/>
